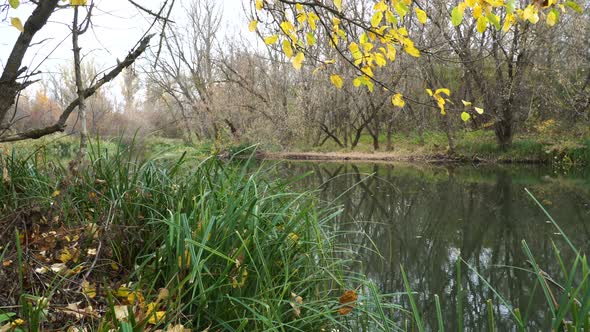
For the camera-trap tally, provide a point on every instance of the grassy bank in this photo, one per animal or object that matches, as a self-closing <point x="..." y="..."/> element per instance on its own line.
<point x="479" y="146"/>
<point x="130" y="243"/>
<point x="174" y="241"/>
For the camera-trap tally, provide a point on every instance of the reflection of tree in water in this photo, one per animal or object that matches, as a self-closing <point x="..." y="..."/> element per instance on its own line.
<point x="425" y="219"/>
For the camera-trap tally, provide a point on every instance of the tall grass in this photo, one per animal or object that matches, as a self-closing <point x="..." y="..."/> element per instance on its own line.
<point x="209" y="244"/>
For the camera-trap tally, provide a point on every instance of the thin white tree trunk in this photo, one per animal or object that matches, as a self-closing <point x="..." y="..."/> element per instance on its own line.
<point x="76" y="31"/>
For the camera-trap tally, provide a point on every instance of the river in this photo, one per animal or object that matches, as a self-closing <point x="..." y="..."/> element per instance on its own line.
<point x="425" y="217"/>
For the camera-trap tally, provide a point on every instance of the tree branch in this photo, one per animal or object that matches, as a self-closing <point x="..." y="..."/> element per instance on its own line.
<point x="60" y="125"/>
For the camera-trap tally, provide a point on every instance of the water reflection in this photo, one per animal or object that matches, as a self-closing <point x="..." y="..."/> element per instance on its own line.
<point x="425" y="218"/>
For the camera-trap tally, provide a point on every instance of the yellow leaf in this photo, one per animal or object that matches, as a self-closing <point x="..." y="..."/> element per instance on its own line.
<point x="123" y="292"/>
<point x="466" y="103"/>
<point x="398" y="100"/>
<point x="376" y="19"/>
<point x="271" y="39"/>
<point x="65" y="255"/>
<point x="157" y="317"/>
<point x="482" y="24"/>
<point x="287" y="49"/>
<point x="89" y="289"/>
<point x="508" y="22"/>
<point x="78" y="2"/>
<point x="356" y="82"/>
<point x="259" y="5"/>
<point x="465" y="116"/>
<point x="252" y="26"/>
<point x="412" y="50"/>
<point x="16" y="22"/>
<point x="380" y="6"/>
<point x="310" y="38"/>
<point x="421" y="15"/>
<point x="441" y="91"/>
<point x="479" y="110"/>
<point x="531" y="14"/>
<point x="293" y="238"/>
<point x="298" y="60"/>
<point x="552" y="18"/>
<point x="337" y="81"/>
<point x="136" y="297"/>
<point x="338" y="4"/>
<point x="380" y="60"/>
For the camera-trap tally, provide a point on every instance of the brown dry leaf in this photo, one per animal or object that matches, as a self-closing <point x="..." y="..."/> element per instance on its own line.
<point x="57" y="267"/>
<point x="297" y="300"/>
<point x="121" y="312"/>
<point x="177" y="328"/>
<point x="5" y="328"/>
<point x="163" y="294"/>
<point x="347" y="299"/>
<point x="5" y="176"/>
<point x="72" y="309"/>
<point x="7" y="263"/>
<point x="76" y="329"/>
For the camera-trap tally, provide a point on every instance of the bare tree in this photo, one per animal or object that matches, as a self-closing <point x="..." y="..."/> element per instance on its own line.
<point x="15" y="79"/>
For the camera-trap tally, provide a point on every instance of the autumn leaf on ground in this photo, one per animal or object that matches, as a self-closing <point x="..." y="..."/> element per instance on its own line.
<point x="121" y="312"/>
<point x="155" y="317"/>
<point x="295" y="303"/>
<point x="178" y="328"/>
<point x="348" y="300"/>
<point x="89" y="289"/>
<point x="5" y="176"/>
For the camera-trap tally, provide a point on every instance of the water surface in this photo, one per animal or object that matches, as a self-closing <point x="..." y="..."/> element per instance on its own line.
<point x="426" y="217"/>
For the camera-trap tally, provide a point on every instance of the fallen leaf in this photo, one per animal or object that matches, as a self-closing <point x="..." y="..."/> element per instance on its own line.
<point x="7" y="263"/>
<point x="5" y="176"/>
<point x="58" y="267"/>
<point x="178" y="328"/>
<point x="89" y="289"/>
<point x="73" y="310"/>
<point x="42" y="270"/>
<point x="121" y="312"/>
<point x="156" y="317"/>
<point x="347" y="300"/>
<point x="163" y="294"/>
<point x="295" y="304"/>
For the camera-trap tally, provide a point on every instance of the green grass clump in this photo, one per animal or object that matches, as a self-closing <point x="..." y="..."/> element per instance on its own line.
<point x="203" y="243"/>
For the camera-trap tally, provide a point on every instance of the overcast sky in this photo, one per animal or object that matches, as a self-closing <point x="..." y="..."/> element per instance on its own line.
<point x="117" y="26"/>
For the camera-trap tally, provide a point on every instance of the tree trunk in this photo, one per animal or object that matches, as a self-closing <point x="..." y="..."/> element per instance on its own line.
<point x="76" y="31"/>
<point x="389" y="134"/>
<point x="449" y="133"/>
<point x="503" y="130"/>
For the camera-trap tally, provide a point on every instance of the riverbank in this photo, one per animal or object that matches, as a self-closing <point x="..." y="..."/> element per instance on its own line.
<point x="471" y="147"/>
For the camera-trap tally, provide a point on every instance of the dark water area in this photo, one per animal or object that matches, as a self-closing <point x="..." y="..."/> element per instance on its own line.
<point x="426" y="217"/>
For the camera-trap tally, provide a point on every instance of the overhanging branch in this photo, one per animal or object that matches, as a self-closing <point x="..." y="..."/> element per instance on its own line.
<point x="60" y="125"/>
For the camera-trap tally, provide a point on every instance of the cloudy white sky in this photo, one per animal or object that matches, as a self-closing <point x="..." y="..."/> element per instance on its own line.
<point x="117" y="25"/>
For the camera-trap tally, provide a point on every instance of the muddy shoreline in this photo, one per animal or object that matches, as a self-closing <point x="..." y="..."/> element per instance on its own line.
<point x="389" y="158"/>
